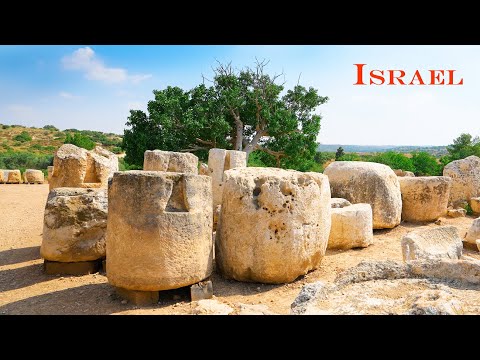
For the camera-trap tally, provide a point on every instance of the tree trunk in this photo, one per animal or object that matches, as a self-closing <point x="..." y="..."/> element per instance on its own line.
<point x="239" y="136"/>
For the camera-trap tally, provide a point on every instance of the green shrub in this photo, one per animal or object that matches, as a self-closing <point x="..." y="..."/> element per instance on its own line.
<point x="79" y="140"/>
<point x="50" y="127"/>
<point x="123" y="166"/>
<point x="11" y="160"/>
<point x="117" y="150"/>
<point x="23" y="137"/>
<point x="6" y="126"/>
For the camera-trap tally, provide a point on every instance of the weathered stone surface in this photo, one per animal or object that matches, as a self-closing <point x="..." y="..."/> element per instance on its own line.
<point x="336" y="203"/>
<point x="2" y="176"/>
<point x="74" y="225"/>
<point x="71" y="268"/>
<point x="216" y="216"/>
<point x="478" y="244"/>
<point x="220" y="160"/>
<point x="370" y="183"/>
<point x="309" y="294"/>
<point x="400" y="172"/>
<point x="159" y="230"/>
<point x="368" y="270"/>
<point x="473" y="232"/>
<point x="435" y="302"/>
<point x="274" y="224"/>
<point x="212" y="307"/>
<point x="424" y="198"/>
<point x="203" y="169"/>
<point x="432" y="243"/>
<point x="475" y="205"/>
<point x="14" y="177"/>
<point x="352" y="227"/>
<point x="455" y="213"/>
<point x="466" y="271"/>
<point x="202" y="290"/>
<point x="170" y="161"/>
<point x="258" y="309"/>
<point x="32" y="176"/>
<point x="50" y="172"/>
<point x="80" y="168"/>
<point x="140" y="298"/>
<point x="465" y="176"/>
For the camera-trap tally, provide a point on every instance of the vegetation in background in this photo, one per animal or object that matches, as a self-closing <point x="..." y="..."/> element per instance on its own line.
<point x="242" y="110"/>
<point x="426" y="164"/>
<point x="123" y="166"/>
<point x="339" y="153"/>
<point x="79" y="140"/>
<point x="24" y="160"/>
<point x="23" y="137"/>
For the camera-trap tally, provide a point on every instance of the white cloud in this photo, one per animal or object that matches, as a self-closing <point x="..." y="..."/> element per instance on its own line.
<point x="67" y="95"/>
<point x="85" y="59"/>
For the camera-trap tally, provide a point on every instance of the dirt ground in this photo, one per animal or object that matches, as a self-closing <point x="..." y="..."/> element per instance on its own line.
<point x="25" y="289"/>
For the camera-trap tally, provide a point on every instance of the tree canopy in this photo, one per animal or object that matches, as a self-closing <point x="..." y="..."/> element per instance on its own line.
<point x="241" y="110"/>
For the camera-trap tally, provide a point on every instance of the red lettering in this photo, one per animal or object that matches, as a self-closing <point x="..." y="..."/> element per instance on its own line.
<point x="417" y="77"/>
<point x="378" y="77"/>
<point x="434" y="77"/>
<point x="359" y="74"/>
<point x="450" y="78"/>
<point x="393" y="77"/>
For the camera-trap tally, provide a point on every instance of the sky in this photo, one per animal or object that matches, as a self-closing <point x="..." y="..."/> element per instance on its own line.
<point x="93" y="87"/>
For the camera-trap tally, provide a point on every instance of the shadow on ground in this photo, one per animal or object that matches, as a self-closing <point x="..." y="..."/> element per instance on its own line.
<point x="15" y="256"/>
<point x="18" y="278"/>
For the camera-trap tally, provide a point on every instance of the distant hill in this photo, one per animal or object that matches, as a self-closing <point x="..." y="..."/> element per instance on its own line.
<point x="46" y="140"/>
<point x="434" y="150"/>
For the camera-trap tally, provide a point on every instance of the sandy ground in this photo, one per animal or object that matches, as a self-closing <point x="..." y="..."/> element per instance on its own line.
<point x="25" y="289"/>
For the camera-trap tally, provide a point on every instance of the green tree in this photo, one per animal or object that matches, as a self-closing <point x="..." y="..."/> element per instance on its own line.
<point x="426" y="164"/>
<point x="242" y="110"/>
<point x="23" y="137"/>
<point x="394" y="160"/>
<point x="79" y="140"/>
<point x="463" y="146"/>
<point x="339" y="153"/>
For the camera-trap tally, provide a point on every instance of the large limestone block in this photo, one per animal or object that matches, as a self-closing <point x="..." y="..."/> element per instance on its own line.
<point x="2" y="176"/>
<point x="159" y="232"/>
<point x="14" y="177"/>
<point x="74" y="226"/>
<point x="80" y="168"/>
<point x="424" y="198"/>
<point x="473" y="233"/>
<point x="34" y="176"/>
<point x="274" y="224"/>
<point x="475" y="205"/>
<point x="465" y="176"/>
<point x="432" y="243"/>
<point x="158" y="160"/>
<point x="352" y="227"/>
<point x="220" y="160"/>
<point x="370" y="183"/>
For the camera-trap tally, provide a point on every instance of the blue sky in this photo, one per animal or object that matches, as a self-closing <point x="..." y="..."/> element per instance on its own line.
<point x="93" y="87"/>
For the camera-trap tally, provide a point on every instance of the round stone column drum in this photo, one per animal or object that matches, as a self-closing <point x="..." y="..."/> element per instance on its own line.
<point x="159" y="230"/>
<point x="274" y="224"/>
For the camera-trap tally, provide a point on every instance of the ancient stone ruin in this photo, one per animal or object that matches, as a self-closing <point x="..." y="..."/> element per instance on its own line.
<point x="80" y="168"/>
<point x="473" y="233"/>
<point x="436" y="243"/>
<point x="370" y="183"/>
<point x="74" y="229"/>
<point x="402" y="173"/>
<point x="158" y="160"/>
<point x="12" y="176"/>
<point x="2" y="176"/>
<point x="465" y="176"/>
<point x="220" y="160"/>
<point x="424" y="198"/>
<point x="475" y="205"/>
<point x="32" y="176"/>
<point x="274" y="224"/>
<point x="159" y="232"/>
<point x="352" y="227"/>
